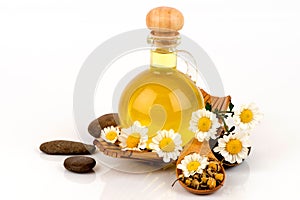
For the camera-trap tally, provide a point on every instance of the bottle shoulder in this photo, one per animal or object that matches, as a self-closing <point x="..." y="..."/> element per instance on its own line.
<point x="163" y="80"/>
<point x="164" y="76"/>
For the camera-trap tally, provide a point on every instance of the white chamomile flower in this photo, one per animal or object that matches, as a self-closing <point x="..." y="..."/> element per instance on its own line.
<point x="134" y="137"/>
<point x="167" y="144"/>
<point x="233" y="147"/>
<point x="110" y="134"/>
<point x="204" y="124"/>
<point x="248" y="116"/>
<point x="192" y="164"/>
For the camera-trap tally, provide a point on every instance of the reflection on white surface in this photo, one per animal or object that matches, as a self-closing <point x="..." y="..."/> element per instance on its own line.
<point x="56" y="158"/>
<point x="236" y="180"/>
<point x="137" y="186"/>
<point x="127" y="165"/>
<point x="85" y="178"/>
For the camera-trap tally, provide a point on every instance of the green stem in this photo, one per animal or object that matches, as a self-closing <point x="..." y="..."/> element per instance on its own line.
<point x="222" y="118"/>
<point x="225" y="125"/>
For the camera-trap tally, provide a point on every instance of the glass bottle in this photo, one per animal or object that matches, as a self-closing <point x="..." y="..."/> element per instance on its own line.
<point x="162" y="97"/>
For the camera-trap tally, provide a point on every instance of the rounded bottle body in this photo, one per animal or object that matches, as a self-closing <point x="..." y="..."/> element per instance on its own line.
<point x="161" y="98"/>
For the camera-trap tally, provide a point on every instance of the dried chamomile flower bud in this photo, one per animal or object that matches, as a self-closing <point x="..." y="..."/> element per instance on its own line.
<point x="211" y="182"/>
<point x="214" y="166"/>
<point x="181" y="177"/>
<point x="203" y="186"/>
<point x="210" y="173"/>
<point x="204" y="178"/>
<point x="196" y="176"/>
<point x="195" y="184"/>
<point x="219" y="177"/>
<point x="188" y="181"/>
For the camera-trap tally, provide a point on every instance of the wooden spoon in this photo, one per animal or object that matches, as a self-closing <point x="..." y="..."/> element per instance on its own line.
<point x="204" y="150"/>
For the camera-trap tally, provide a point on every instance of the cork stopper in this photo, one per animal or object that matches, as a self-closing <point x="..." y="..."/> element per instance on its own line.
<point x="164" y="19"/>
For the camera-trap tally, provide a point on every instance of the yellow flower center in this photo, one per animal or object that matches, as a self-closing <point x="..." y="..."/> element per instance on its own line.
<point x="133" y="140"/>
<point x="204" y="124"/>
<point x="111" y="135"/>
<point x="167" y="144"/>
<point x="234" y="146"/>
<point x="246" y="116"/>
<point x="192" y="166"/>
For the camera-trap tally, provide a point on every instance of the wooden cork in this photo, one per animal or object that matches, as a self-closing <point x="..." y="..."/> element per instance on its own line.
<point x="164" y="19"/>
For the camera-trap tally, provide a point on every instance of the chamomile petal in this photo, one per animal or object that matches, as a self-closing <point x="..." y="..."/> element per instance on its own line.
<point x="134" y="137"/>
<point x="110" y="134"/>
<point x="193" y="163"/>
<point x="235" y="149"/>
<point x="167" y="144"/>
<point x="247" y="116"/>
<point x="204" y="124"/>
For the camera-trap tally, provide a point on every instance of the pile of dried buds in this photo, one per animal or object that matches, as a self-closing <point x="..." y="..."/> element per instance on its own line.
<point x="211" y="177"/>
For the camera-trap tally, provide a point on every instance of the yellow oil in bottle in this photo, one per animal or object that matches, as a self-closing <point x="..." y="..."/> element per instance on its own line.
<point x="161" y="97"/>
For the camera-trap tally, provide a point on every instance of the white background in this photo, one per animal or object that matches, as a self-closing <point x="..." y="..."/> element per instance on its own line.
<point x="254" y="44"/>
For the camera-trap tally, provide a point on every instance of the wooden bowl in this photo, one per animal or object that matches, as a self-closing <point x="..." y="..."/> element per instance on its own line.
<point x="204" y="150"/>
<point x="112" y="119"/>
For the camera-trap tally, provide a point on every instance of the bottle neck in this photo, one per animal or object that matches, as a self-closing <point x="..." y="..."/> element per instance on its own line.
<point x="163" y="53"/>
<point x="163" y="58"/>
